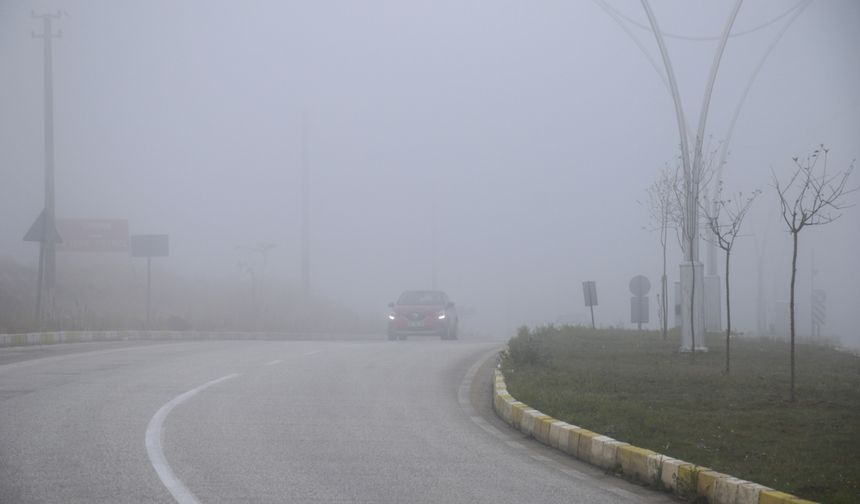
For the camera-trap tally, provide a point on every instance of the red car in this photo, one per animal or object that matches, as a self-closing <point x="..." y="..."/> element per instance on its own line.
<point x="426" y="312"/>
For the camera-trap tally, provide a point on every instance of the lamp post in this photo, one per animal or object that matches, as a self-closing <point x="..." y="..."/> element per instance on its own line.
<point x="692" y="270"/>
<point x="793" y="13"/>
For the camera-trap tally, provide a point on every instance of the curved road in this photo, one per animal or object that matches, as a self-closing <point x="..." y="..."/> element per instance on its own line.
<point x="270" y="421"/>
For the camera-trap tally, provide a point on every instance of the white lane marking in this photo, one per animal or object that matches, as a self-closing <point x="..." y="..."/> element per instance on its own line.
<point x="272" y="363"/>
<point x="312" y="353"/>
<point x="154" y="449"/>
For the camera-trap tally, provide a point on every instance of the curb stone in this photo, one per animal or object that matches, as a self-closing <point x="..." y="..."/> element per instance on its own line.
<point x="639" y="464"/>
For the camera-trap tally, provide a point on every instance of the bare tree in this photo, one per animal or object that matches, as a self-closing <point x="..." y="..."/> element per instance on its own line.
<point x="724" y="219"/>
<point x="809" y="198"/>
<point x="664" y="214"/>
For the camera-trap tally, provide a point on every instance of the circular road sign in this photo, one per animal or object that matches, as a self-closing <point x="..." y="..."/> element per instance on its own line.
<point x="639" y="285"/>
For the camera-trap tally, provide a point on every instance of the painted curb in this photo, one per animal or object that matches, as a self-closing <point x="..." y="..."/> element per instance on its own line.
<point x="638" y="464"/>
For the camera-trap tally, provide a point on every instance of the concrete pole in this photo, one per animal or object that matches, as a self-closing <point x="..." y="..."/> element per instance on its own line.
<point x="148" y="292"/>
<point x="812" y="272"/>
<point x="687" y="330"/>
<point x="434" y="260"/>
<point x="306" y="218"/>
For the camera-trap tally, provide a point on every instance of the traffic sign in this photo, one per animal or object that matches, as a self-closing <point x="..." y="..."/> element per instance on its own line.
<point x="639" y="285"/>
<point x="589" y="291"/>
<point x="93" y="235"/>
<point x="149" y="246"/>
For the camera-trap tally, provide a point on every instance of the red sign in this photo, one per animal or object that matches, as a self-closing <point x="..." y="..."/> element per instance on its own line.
<point x="93" y="235"/>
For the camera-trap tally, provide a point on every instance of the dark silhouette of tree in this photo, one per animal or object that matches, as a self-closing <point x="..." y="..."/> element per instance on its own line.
<point x="811" y="197"/>
<point x="664" y="215"/>
<point x="724" y="219"/>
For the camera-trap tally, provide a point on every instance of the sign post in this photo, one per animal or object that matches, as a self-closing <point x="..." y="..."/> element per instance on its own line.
<point x="149" y="246"/>
<point x="589" y="291"/>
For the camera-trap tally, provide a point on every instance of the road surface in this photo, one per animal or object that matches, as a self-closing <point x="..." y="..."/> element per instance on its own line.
<point x="271" y="421"/>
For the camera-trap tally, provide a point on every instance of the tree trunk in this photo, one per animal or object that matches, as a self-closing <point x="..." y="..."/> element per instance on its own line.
<point x="665" y="307"/>
<point x="664" y="292"/>
<point x="791" y="308"/>
<point x="728" y="314"/>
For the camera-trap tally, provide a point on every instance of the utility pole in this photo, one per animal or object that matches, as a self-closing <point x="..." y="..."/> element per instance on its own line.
<point x="813" y="333"/>
<point x="434" y="260"/>
<point x="48" y="239"/>
<point x="148" y="292"/>
<point x="306" y="219"/>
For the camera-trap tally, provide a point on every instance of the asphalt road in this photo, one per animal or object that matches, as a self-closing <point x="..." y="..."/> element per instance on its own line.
<point x="268" y="421"/>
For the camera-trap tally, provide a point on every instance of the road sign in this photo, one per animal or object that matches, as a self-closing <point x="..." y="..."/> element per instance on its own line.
<point x="639" y="285"/>
<point x="149" y="246"/>
<point x="819" y="311"/>
<point x="36" y="233"/>
<point x="589" y="291"/>
<point x="93" y="235"/>
<point x="639" y="312"/>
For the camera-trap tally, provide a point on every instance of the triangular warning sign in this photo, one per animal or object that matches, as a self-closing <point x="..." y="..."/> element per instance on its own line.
<point x="37" y="231"/>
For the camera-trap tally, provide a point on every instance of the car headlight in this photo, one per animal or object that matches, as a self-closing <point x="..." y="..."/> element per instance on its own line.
<point x="441" y="315"/>
<point x="391" y="316"/>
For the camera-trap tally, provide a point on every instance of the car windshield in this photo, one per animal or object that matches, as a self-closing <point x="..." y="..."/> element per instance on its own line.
<point x="420" y="298"/>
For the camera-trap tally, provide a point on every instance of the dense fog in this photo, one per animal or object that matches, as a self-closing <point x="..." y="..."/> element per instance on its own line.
<point x="500" y="151"/>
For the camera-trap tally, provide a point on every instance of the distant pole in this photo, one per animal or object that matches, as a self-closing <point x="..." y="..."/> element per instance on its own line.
<point x="592" y="316"/>
<point x="433" y="238"/>
<point x="306" y="220"/>
<point x="47" y="248"/>
<point x="148" y="290"/>
<point x="812" y="272"/>
<point x="761" y="304"/>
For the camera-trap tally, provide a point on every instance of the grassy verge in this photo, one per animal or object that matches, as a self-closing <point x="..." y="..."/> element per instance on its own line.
<point x="636" y="388"/>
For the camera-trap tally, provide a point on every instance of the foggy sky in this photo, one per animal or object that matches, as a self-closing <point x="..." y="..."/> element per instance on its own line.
<point x="530" y="129"/>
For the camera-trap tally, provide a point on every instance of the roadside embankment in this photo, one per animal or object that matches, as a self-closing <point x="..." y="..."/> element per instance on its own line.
<point x="51" y="338"/>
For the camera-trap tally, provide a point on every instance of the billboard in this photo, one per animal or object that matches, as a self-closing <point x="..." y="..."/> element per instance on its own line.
<point x="93" y="235"/>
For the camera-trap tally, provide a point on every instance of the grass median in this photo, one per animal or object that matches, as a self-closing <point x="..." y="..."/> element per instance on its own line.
<point x="637" y="388"/>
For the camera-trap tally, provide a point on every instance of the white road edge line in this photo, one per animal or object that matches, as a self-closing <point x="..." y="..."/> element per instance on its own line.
<point x="272" y="363"/>
<point x="154" y="449"/>
<point x="312" y="353"/>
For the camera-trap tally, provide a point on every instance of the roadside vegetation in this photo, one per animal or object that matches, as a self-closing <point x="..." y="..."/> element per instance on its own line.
<point x="636" y="387"/>
<point x="110" y="294"/>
